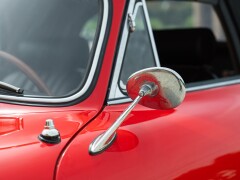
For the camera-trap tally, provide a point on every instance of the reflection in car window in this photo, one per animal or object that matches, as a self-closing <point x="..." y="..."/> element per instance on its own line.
<point x="139" y="53"/>
<point x="46" y="45"/>
<point x="88" y="31"/>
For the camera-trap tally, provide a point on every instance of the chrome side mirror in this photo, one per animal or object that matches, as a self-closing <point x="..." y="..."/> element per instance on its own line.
<point x="157" y="88"/>
<point x="162" y="88"/>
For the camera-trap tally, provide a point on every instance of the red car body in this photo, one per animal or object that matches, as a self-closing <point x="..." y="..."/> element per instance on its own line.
<point x="200" y="139"/>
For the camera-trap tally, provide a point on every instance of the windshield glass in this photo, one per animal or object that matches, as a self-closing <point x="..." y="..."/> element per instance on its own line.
<point x="46" y="45"/>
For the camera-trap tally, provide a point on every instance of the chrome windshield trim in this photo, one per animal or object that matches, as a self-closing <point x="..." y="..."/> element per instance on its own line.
<point x="89" y="79"/>
<point x="150" y="33"/>
<point x="114" y="84"/>
<point x="119" y="101"/>
<point x="190" y="89"/>
<point x="213" y="85"/>
<point x="133" y="8"/>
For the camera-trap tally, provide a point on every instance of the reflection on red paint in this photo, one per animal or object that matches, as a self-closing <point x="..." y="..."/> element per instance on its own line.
<point x="125" y="141"/>
<point x="10" y="124"/>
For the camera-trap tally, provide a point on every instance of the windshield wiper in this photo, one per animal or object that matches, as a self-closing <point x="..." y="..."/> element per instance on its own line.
<point x="11" y="88"/>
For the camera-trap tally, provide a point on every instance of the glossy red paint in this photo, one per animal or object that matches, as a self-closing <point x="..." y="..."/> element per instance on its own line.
<point x="189" y="142"/>
<point x="41" y="158"/>
<point x="10" y="125"/>
<point x="34" y="159"/>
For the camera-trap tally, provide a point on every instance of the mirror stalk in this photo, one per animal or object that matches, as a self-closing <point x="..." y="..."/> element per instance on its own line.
<point x="104" y="140"/>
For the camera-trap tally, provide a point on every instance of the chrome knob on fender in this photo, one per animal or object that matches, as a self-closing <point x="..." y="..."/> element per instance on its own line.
<point x="50" y="134"/>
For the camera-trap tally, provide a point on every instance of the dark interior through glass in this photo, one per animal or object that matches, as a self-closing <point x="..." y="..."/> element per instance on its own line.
<point x="42" y="49"/>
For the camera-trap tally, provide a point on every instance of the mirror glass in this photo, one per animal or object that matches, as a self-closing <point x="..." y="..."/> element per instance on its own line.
<point x="169" y="87"/>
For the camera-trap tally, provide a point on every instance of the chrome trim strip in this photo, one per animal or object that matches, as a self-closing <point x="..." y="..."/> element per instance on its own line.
<point x="137" y="5"/>
<point x="149" y="28"/>
<point x="191" y="89"/>
<point x="114" y="85"/>
<point x="114" y="88"/>
<point x="213" y="85"/>
<point x="119" y="101"/>
<point x="150" y="32"/>
<point x="90" y="77"/>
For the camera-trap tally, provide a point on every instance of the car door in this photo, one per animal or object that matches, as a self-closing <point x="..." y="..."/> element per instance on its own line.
<point x="197" y="140"/>
<point x="50" y="85"/>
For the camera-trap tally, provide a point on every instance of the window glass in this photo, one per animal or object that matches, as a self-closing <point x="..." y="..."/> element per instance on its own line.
<point x="45" y="45"/>
<point x="181" y="14"/>
<point x="89" y="29"/>
<point x="139" y="54"/>
<point x="190" y="40"/>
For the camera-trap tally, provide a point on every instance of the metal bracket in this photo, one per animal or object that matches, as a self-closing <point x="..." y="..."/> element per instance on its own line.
<point x="131" y="23"/>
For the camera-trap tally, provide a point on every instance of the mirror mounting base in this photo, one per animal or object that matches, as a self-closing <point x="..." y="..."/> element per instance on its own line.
<point x="94" y="151"/>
